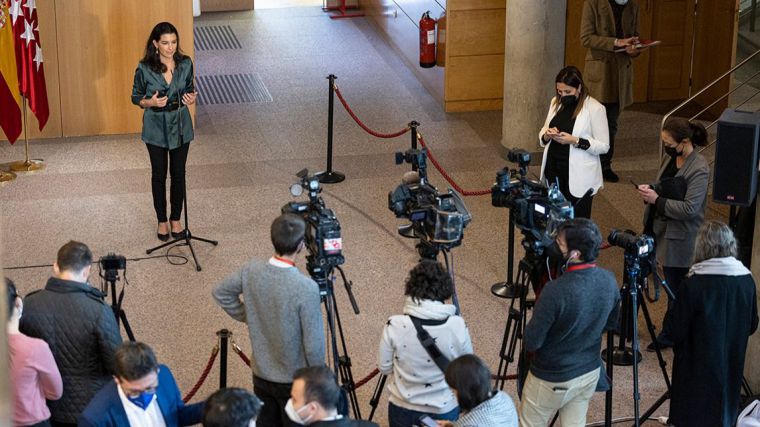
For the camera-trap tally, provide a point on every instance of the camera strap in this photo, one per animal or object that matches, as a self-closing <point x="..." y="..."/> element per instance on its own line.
<point x="428" y="342"/>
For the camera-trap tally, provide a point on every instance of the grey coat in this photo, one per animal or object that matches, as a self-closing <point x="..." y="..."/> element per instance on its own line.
<point x="676" y="233"/>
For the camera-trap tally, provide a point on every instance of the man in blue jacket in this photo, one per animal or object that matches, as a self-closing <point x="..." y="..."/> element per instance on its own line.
<point x="143" y="393"/>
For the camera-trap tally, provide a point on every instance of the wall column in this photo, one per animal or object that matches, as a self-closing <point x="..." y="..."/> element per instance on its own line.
<point x="534" y="53"/>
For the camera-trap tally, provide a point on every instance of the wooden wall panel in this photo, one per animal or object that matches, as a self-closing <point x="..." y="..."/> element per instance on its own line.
<point x="225" y="5"/>
<point x="47" y="23"/>
<point x="475" y="77"/>
<point x="670" y="61"/>
<point x="477" y="32"/>
<point x="100" y="44"/>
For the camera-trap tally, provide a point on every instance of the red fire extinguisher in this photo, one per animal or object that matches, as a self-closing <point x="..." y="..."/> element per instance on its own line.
<point x="427" y="41"/>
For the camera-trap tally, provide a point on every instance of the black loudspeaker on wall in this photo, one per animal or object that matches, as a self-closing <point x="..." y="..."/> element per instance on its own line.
<point x="736" y="158"/>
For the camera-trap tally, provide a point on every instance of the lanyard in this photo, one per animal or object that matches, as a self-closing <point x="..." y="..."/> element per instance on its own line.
<point x="286" y="261"/>
<point x="575" y="267"/>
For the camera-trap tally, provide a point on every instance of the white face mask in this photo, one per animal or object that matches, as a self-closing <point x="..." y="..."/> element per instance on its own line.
<point x="252" y="423"/>
<point x="621" y="2"/>
<point x="294" y="415"/>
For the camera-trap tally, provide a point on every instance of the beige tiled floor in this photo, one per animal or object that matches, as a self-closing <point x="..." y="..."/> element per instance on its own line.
<point x="244" y="158"/>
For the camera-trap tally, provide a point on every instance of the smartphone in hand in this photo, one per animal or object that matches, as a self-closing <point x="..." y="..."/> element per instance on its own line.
<point x="426" y="421"/>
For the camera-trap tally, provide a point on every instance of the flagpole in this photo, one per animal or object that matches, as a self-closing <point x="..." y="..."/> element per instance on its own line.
<point x="27" y="165"/>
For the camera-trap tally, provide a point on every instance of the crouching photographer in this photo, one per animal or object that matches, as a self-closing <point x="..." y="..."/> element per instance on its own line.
<point x="565" y="332"/>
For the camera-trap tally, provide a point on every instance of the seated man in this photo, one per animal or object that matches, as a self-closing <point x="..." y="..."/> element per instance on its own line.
<point x="143" y="393"/>
<point x="231" y="407"/>
<point x="314" y="400"/>
<point x="79" y="327"/>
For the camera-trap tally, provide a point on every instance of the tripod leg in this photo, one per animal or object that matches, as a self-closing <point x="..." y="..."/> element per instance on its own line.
<point x="127" y="328"/>
<point x="375" y="400"/>
<point x="635" y="346"/>
<point x="653" y="335"/>
<point x="608" y="393"/>
<point x="508" y="345"/>
<point x="192" y="251"/>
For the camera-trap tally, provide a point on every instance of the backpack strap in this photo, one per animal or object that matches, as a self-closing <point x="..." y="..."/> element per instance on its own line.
<point x="428" y="343"/>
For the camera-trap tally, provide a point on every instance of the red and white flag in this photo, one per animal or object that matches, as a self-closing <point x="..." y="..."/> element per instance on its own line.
<point x="31" y="73"/>
<point x="10" y="99"/>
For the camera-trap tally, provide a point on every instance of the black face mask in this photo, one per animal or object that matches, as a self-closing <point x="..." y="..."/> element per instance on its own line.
<point x="554" y="252"/>
<point x="568" y="100"/>
<point x="672" y="152"/>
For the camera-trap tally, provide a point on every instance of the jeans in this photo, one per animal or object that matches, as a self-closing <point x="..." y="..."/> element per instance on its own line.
<point x="162" y="159"/>
<point x="402" y="417"/>
<point x="613" y="112"/>
<point x="274" y="396"/>
<point x="541" y="399"/>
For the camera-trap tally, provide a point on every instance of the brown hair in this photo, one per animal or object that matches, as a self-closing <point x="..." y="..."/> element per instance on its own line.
<point x="680" y="129"/>
<point x="572" y="77"/>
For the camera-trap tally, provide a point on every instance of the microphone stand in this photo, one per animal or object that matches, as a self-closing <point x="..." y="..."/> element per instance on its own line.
<point x="187" y="236"/>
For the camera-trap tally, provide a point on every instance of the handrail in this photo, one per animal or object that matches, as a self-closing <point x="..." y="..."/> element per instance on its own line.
<point x="705" y="89"/>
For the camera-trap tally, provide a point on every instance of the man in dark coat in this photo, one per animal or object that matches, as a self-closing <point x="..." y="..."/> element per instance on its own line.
<point x="79" y="327"/>
<point x="314" y="400"/>
<point x="714" y="314"/>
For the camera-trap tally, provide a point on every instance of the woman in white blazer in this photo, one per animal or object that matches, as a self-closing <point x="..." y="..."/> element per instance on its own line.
<point x="574" y="134"/>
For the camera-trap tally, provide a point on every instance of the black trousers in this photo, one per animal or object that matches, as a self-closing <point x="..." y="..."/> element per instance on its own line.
<point x="45" y="423"/>
<point x="274" y="396"/>
<point x="162" y="159"/>
<point x="673" y="276"/>
<point x="581" y="206"/>
<point x="613" y="112"/>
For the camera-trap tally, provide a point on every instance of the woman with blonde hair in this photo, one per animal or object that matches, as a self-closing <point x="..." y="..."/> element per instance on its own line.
<point x="714" y="314"/>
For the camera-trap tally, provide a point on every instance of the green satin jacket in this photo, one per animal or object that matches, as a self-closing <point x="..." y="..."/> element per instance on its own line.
<point x="161" y="127"/>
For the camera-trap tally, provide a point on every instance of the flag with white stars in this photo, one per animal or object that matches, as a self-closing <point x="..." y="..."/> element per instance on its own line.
<point x="29" y="59"/>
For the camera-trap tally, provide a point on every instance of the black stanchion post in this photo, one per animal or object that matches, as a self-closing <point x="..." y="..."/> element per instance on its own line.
<point x="224" y="337"/>
<point x="329" y="176"/>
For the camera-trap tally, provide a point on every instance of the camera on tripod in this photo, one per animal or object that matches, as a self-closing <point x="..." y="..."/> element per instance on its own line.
<point x="438" y="219"/>
<point x="641" y="245"/>
<point x="110" y="265"/>
<point x="536" y="209"/>
<point x="322" y="237"/>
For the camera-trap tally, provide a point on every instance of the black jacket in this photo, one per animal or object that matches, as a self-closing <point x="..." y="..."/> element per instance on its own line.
<point x="713" y="317"/>
<point x="82" y="333"/>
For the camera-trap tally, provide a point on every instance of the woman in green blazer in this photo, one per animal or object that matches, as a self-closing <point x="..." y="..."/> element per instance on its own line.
<point x="163" y="88"/>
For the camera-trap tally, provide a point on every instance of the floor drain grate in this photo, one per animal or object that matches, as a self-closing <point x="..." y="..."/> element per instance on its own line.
<point x="231" y="89"/>
<point x="215" y="37"/>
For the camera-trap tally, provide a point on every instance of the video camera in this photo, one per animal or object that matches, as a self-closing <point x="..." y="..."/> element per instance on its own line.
<point x="537" y="210"/>
<point x="113" y="262"/>
<point x="438" y="219"/>
<point x="322" y="237"/>
<point x="641" y="246"/>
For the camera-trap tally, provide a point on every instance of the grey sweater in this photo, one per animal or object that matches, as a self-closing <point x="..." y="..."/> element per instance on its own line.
<point x="282" y="309"/>
<point x="570" y="315"/>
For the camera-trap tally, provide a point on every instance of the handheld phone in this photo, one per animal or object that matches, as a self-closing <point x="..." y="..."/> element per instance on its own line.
<point x="426" y="421"/>
<point x="634" y="183"/>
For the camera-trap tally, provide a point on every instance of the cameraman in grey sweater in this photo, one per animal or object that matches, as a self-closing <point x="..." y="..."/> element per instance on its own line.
<point x="565" y="332"/>
<point x="282" y="309"/>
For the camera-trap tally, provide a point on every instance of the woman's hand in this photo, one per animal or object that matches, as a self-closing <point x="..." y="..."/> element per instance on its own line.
<point x="189" y="98"/>
<point x="648" y="195"/>
<point x="565" y="138"/>
<point x="156" y="101"/>
<point x="550" y="133"/>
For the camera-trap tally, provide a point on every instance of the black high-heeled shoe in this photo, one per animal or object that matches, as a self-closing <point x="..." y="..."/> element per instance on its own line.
<point x="178" y="234"/>
<point x="162" y="237"/>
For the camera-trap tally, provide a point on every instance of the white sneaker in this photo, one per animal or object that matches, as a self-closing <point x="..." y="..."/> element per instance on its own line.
<point x="663" y="421"/>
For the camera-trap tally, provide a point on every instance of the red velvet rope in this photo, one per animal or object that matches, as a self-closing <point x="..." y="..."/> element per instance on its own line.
<point x="361" y="124"/>
<point x="242" y="355"/>
<point x="367" y="379"/>
<point x="446" y="176"/>
<point x="205" y="373"/>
